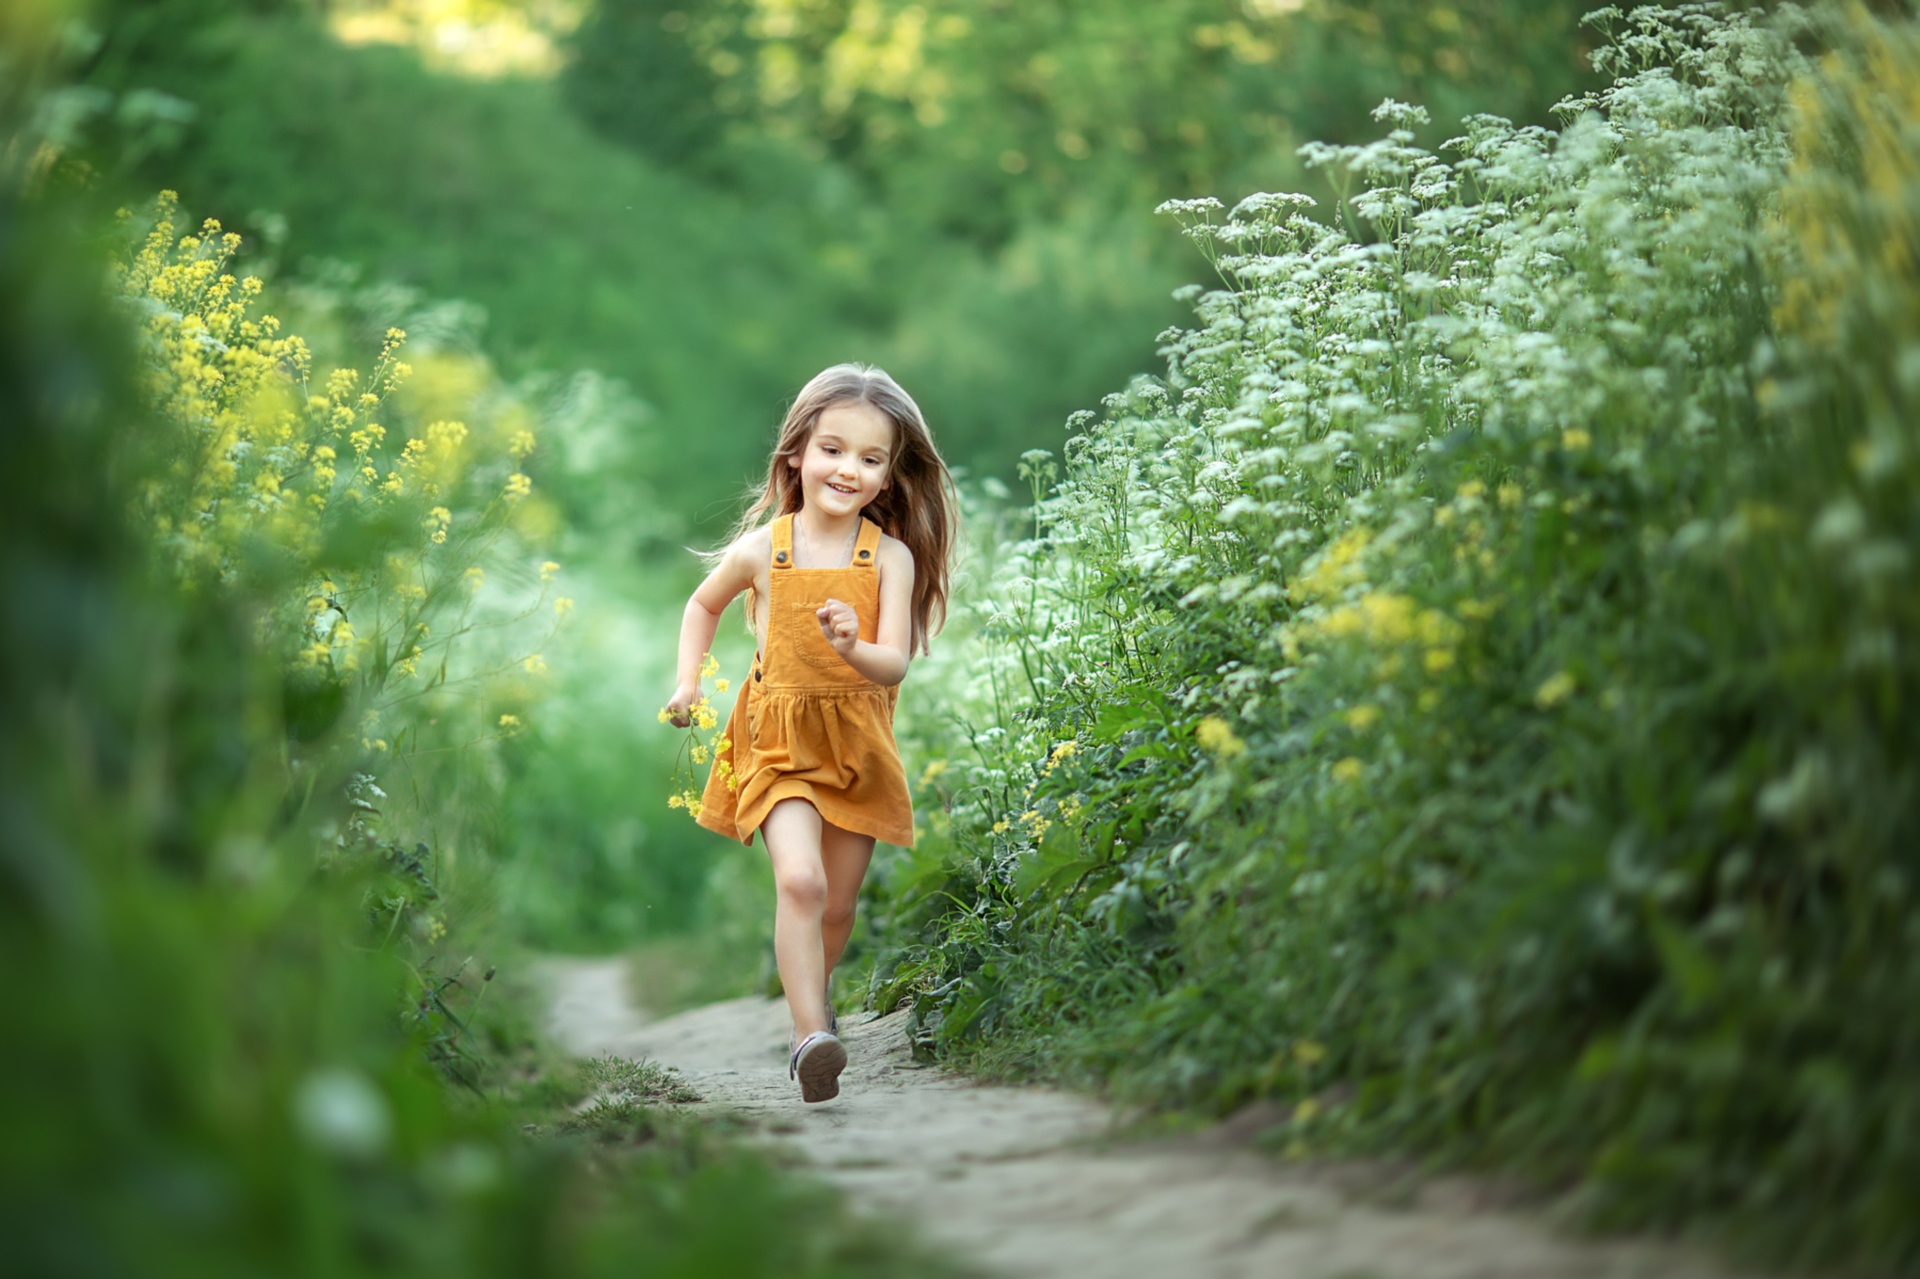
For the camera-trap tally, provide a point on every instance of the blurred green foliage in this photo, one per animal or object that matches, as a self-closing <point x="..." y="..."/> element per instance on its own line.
<point x="976" y="117"/>
<point x="1468" y="699"/>
<point x="712" y="304"/>
<point x="234" y="1026"/>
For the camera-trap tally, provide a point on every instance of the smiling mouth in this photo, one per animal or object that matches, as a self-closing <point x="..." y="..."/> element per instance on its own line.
<point x="841" y="488"/>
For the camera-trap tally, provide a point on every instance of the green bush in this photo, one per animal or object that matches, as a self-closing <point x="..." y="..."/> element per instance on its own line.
<point x="1468" y="698"/>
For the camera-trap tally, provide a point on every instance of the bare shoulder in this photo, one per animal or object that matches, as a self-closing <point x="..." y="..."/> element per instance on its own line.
<point x="895" y="558"/>
<point x="751" y="550"/>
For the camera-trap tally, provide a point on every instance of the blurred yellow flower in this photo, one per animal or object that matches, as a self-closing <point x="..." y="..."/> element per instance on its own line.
<point x="562" y="606"/>
<point x="1216" y="735"/>
<point x="1348" y="770"/>
<point x="1574" y="438"/>
<point x="1363" y="717"/>
<point x="1554" y="690"/>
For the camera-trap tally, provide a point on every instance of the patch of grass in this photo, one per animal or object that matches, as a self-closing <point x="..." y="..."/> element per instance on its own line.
<point x="612" y="1078"/>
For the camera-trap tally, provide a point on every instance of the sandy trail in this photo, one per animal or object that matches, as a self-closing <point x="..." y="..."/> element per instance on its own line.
<point x="1025" y="1182"/>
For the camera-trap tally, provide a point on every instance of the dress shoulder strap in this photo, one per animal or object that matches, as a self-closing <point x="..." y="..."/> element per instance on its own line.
<point x="783" y="542"/>
<point x="866" y="551"/>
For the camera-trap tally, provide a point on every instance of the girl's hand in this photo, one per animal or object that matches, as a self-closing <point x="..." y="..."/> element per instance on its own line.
<point x="840" y="624"/>
<point x="683" y="697"/>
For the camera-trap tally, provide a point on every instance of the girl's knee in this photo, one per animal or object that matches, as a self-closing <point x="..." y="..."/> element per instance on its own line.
<point x="802" y="886"/>
<point x="838" y="914"/>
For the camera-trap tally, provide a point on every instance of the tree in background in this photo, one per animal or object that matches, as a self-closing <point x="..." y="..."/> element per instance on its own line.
<point x="974" y="113"/>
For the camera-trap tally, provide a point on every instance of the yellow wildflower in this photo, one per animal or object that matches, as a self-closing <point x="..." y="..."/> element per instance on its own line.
<point x="520" y="444"/>
<point x="1333" y="568"/>
<point x="535" y="664"/>
<point x="721" y="685"/>
<point x="547" y="570"/>
<point x="1216" y="735"/>
<point x="1348" y="770"/>
<point x="1574" y="439"/>
<point x="509" y="722"/>
<point x="1554" y="690"/>
<point x="518" y="486"/>
<point x="562" y="606"/>
<point x="933" y="769"/>
<point x="1363" y="717"/>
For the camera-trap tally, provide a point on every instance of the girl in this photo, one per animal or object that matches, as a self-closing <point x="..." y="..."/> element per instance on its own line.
<point x="844" y="583"/>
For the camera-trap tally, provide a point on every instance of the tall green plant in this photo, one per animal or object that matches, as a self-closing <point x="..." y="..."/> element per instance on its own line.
<point x="1464" y="697"/>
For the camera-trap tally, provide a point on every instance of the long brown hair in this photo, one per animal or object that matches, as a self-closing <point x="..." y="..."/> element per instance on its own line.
<point x="918" y="504"/>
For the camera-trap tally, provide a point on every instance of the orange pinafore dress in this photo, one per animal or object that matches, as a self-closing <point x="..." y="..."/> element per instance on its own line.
<point x="806" y="725"/>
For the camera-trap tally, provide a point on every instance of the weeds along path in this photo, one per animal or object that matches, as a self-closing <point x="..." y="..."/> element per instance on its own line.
<point x="1031" y="1182"/>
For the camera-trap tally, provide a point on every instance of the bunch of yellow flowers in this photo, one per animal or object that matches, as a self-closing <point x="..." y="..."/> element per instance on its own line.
<point x="685" y="786"/>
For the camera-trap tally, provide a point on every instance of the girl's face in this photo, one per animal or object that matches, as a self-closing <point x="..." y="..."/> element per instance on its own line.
<point x="846" y="461"/>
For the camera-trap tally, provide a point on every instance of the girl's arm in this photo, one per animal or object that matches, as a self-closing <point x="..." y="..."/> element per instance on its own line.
<point x="884" y="661"/>
<point x="732" y="575"/>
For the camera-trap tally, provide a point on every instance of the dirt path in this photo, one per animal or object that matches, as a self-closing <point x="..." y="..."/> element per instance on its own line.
<point x="1023" y="1182"/>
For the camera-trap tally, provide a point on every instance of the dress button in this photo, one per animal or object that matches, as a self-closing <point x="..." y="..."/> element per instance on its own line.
<point x="780" y="558"/>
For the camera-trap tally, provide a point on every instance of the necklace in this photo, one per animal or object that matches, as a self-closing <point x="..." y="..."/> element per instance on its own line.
<point x="807" y="541"/>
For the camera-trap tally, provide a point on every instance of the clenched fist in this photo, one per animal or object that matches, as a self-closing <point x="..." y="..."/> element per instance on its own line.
<point x="840" y="624"/>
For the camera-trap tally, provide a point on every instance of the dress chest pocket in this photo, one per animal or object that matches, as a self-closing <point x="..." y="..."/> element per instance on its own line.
<point x="807" y="643"/>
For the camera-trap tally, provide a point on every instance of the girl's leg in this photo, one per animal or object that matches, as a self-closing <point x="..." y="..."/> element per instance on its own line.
<point x="793" y="834"/>
<point x="844" y="856"/>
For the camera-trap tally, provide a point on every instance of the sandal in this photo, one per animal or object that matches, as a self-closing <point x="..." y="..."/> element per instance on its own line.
<point x="817" y="1064"/>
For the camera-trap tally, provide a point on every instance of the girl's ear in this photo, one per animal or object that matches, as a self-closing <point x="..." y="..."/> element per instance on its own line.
<point x="793" y="461"/>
